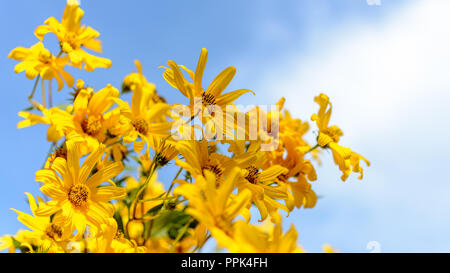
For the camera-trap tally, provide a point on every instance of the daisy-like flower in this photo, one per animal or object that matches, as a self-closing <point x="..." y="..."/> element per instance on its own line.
<point x="262" y="182"/>
<point x="143" y="119"/>
<point x="73" y="37"/>
<point x="300" y="192"/>
<point x="290" y="153"/>
<point x="48" y="235"/>
<point x="199" y="158"/>
<point x="213" y="95"/>
<point x="76" y="191"/>
<point x="91" y="118"/>
<point x="137" y="80"/>
<point x="112" y="241"/>
<point x="215" y="207"/>
<point x="329" y="137"/>
<point x="37" y="60"/>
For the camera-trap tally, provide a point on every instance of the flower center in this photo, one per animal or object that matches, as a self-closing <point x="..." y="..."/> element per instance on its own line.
<point x="91" y="125"/>
<point x="214" y="167"/>
<point x="44" y="56"/>
<point x="61" y="152"/>
<point x="208" y="99"/>
<point x="53" y="231"/>
<point x="334" y="132"/>
<point x="118" y="235"/>
<point x="78" y="195"/>
<point x="161" y="160"/>
<point x="70" y="43"/>
<point x="283" y="177"/>
<point x="66" y="47"/>
<point x="253" y="175"/>
<point x="140" y="125"/>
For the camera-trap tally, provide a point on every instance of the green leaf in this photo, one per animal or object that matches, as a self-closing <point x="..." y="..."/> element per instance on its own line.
<point x="169" y="223"/>
<point x="29" y="108"/>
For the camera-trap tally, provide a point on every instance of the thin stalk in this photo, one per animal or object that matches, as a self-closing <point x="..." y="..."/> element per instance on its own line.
<point x="43" y="93"/>
<point x="183" y="231"/>
<point x="172" y="184"/>
<point x="50" y="93"/>
<point x="313" y="148"/>
<point x="34" y="88"/>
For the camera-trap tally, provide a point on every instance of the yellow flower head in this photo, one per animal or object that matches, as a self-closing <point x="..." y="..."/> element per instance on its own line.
<point x="215" y="206"/>
<point x="111" y="241"/>
<point x="91" y="119"/>
<point x="263" y="183"/>
<point x="75" y="190"/>
<point x="213" y="95"/>
<point x="73" y="37"/>
<point x="136" y="80"/>
<point x="37" y="60"/>
<point x="329" y="136"/>
<point x="199" y="158"/>
<point x="143" y="119"/>
<point x="255" y="239"/>
<point x="49" y="235"/>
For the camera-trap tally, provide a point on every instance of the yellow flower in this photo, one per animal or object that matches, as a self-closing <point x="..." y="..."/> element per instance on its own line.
<point x="48" y="235"/>
<point x="213" y="94"/>
<point x="73" y="37"/>
<point x="264" y="193"/>
<point x="91" y="119"/>
<point x="75" y="190"/>
<point x="7" y="242"/>
<point x="253" y="239"/>
<point x="116" y="150"/>
<point x="37" y="60"/>
<point x="262" y="183"/>
<point x="141" y="120"/>
<point x="329" y="137"/>
<point x="215" y="206"/>
<point x="199" y="158"/>
<point x="112" y="241"/>
<point x="164" y="149"/>
<point x="135" y="81"/>
<point x="53" y="134"/>
<point x="300" y="191"/>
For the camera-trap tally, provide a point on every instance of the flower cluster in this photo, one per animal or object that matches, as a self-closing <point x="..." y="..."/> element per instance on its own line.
<point x="100" y="181"/>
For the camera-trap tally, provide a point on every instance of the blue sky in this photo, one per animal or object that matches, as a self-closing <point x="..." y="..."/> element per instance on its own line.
<point x="384" y="67"/>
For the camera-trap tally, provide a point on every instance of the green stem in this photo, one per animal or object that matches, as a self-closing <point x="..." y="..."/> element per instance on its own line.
<point x="172" y="184"/>
<point x="34" y="88"/>
<point x="50" y="99"/>
<point x="313" y="148"/>
<point x="183" y="231"/>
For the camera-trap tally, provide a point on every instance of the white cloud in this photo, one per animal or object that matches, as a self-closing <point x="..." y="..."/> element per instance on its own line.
<point x="381" y="75"/>
<point x="390" y="88"/>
